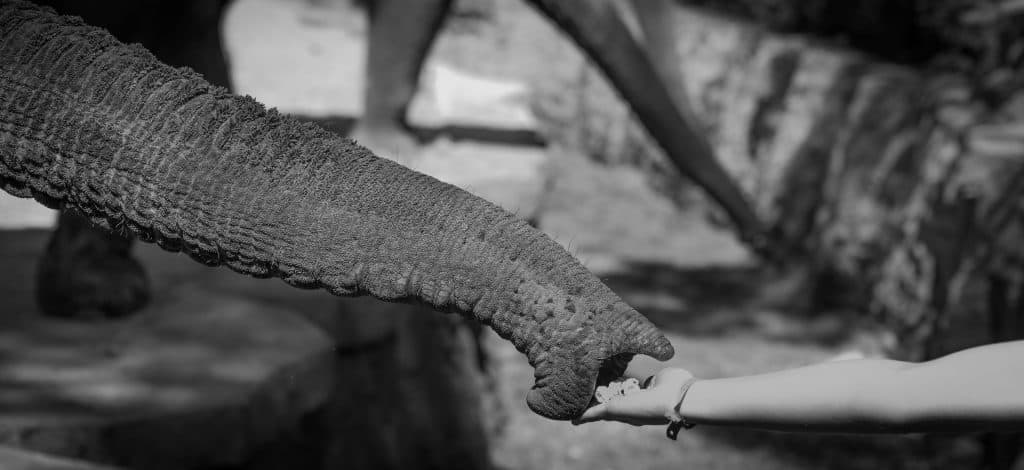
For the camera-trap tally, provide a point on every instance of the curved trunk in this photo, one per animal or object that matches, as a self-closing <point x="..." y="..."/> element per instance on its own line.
<point x="138" y="146"/>
<point x="596" y="27"/>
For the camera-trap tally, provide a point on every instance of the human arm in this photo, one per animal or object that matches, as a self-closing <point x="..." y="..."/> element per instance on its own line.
<point x="976" y="389"/>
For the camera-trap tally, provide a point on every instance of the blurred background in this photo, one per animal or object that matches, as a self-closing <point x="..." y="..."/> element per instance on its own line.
<point x="877" y="145"/>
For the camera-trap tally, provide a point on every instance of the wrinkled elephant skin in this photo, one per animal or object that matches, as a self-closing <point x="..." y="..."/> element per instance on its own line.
<point x="105" y="129"/>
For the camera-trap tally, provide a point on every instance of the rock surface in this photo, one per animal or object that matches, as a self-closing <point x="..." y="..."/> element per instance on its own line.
<point x="18" y="459"/>
<point x="198" y="379"/>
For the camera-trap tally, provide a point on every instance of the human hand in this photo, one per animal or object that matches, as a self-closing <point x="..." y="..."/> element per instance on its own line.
<point x="651" y="405"/>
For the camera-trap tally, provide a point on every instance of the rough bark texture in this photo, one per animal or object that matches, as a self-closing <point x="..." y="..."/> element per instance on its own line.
<point x="137" y="146"/>
<point x="901" y="185"/>
<point x="903" y="31"/>
<point x="904" y="186"/>
<point x="873" y="26"/>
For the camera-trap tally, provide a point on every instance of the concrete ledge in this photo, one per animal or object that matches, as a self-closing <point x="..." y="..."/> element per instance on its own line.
<point x="19" y="459"/>
<point x="199" y="379"/>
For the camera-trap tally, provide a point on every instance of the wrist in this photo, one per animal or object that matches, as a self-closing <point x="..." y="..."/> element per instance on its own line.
<point x="690" y="406"/>
<point x="721" y="401"/>
<point x="676" y="417"/>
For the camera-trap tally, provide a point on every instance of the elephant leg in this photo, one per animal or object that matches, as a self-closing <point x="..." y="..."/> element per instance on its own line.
<point x="400" y="36"/>
<point x="88" y="272"/>
<point x="597" y="28"/>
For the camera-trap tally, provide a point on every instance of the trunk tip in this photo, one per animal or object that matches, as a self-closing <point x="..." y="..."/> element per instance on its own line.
<point x="637" y="335"/>
<point x="650" y="343"/>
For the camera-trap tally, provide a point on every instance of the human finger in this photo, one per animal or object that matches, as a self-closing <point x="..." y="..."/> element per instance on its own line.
<point x="638" y="408"/>
<point x="594" y="413"/>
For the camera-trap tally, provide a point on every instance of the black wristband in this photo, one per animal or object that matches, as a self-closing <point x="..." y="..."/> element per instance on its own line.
<point x="677" y="420"/>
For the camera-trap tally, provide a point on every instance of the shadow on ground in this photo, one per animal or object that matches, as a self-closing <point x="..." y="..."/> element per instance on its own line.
<point x="719" y="301"/>
<point x="840" y="452"/>
<point x="754" y="302"/>
<point x="342" y="125"/>
<point x="738" y="309"/>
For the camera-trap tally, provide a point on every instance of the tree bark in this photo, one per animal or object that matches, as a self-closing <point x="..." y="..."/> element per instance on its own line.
<point x="901" y="185"/>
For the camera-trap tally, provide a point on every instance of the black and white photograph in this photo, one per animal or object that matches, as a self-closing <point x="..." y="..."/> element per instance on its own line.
<point x="511" y="234"/>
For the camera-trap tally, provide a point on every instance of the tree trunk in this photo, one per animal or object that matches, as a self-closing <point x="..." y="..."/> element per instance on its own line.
<point x="900" y="185"/>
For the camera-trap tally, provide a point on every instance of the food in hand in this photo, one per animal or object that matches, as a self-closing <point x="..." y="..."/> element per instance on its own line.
<point x="616" y="389"/>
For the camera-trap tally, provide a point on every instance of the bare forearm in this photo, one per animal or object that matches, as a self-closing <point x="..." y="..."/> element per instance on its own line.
<point x="975" y="389"/>
<point x="819" y="398"/>
<point x="982" y="388"/>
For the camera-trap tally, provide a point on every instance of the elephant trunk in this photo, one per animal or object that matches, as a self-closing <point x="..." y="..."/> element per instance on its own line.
<point x="143" y="148"/>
